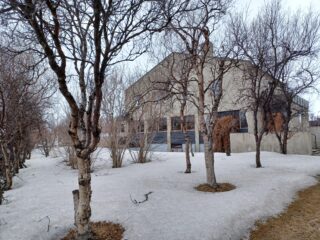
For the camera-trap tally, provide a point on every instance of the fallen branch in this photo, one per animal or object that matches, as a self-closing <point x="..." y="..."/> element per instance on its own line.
<point x="134" y="201"/>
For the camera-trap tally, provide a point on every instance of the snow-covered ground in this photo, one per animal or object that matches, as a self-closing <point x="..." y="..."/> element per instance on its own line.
<point x="174" y="211"/>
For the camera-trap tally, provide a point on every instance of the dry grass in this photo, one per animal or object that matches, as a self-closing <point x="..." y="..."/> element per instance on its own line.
<point x="301" y="221"/>
<point x="101" y="231"/>
<point x="222" y="187"/>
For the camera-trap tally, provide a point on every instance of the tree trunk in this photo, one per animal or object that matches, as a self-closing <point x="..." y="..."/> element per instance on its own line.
<point x="7" y="167"/>
<point x="285" y="135"/>
<point x="1" y="194"/>
<point x="209" y="159"/>
<point x="16" y="162"/>
<point x="257" y="138"/>
<point x="83" y="212"/>
<point x="187" y="152"/>
<point x="228" y="145"/>
<point x="285" y="144"/>
<point x="258" y="145"/>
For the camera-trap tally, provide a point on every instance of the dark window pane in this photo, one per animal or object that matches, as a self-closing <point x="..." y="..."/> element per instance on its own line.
<point x="189" y="122"/>
<point x="163" y="124"/>
<point x="243" y="120"/>
<point x="175" y="123"/>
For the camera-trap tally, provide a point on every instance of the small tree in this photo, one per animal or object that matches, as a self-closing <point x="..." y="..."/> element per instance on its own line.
<point x="174" y="86"/>
<point x="113" y="109"/>
<point x="142" y="131"/>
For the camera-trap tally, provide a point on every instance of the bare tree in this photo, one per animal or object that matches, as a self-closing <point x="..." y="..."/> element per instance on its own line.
<point x="175" y="86"/>
<point x="293" y="62"/>
<point x="194" y="30"/>
<point x="87" y="36"/>
<point x="47" y="138"/>
<point x="271" y="43"/>
<point x="143" y="123"/>
<point x="113" y="109"/>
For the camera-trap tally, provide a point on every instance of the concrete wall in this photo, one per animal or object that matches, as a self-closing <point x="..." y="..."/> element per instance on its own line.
<point x="299" y="143"/>
<point x="315" y="136"/>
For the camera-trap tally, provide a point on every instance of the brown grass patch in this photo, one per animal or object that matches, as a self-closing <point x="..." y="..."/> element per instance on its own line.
<point x="100" y="231"/>
<point x="222" y="187"/>
<point x="299" y="222"/>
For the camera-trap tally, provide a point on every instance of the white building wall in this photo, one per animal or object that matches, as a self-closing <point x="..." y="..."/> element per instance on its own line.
<point x="299" y="143"/>
<point x="315" y="136"/>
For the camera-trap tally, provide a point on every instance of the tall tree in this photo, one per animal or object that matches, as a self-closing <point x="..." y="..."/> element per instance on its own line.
<point x="278" y="47"/>
<point x="194" y="29"/>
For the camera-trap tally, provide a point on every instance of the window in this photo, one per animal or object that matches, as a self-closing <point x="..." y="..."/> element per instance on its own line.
<point x="162" y="124"/>
<point x="189" y="122"/>
<point x="243" y="120"/>
<point x="138" y="100"/>
<point x="175" y="123"/>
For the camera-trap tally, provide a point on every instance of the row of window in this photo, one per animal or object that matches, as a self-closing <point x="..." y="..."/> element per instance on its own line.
<point x="161" y="124"/>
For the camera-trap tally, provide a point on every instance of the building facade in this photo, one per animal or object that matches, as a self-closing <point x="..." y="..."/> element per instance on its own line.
<point x="155" y="111"/>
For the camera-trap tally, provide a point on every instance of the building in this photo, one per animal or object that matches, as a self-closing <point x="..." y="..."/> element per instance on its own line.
<point x="160" y="114"/>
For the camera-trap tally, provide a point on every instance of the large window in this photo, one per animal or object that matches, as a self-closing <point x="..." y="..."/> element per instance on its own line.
<point x="189" y="122"/>
<point x="240" y="116"/>
<point x="243" y="120"/>
<point x="175" y="123"/>
<point x="162" y="125"/>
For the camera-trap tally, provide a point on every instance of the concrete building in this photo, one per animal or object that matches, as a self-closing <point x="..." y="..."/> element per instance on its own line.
<point x="162" y="113"/>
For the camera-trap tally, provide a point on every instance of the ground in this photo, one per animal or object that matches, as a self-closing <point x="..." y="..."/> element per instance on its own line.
<point x="300" y="221"/>
<point x="40" y="205"/>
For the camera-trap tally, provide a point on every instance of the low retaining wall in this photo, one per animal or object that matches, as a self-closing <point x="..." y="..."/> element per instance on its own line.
<point x="299" y="143"/>
<point x="315" y="136"/>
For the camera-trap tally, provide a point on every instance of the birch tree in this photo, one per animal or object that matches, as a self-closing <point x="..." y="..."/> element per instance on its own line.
<point x="194" y="30"/>
<point x="87" y="37"/>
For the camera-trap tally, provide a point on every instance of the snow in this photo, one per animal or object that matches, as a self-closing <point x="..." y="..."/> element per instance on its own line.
<point x="174" y="211"/>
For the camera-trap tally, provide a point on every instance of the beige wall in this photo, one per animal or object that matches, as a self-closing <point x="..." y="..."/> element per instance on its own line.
<point x="315" y="136"/>
<point x="299" y="143"/>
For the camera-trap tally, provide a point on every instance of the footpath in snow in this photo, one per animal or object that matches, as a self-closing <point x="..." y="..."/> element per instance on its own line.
<point x="174" y="211"/>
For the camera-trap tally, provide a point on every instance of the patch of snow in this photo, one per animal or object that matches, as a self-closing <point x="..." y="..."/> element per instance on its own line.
<point x="174" y="211"/>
